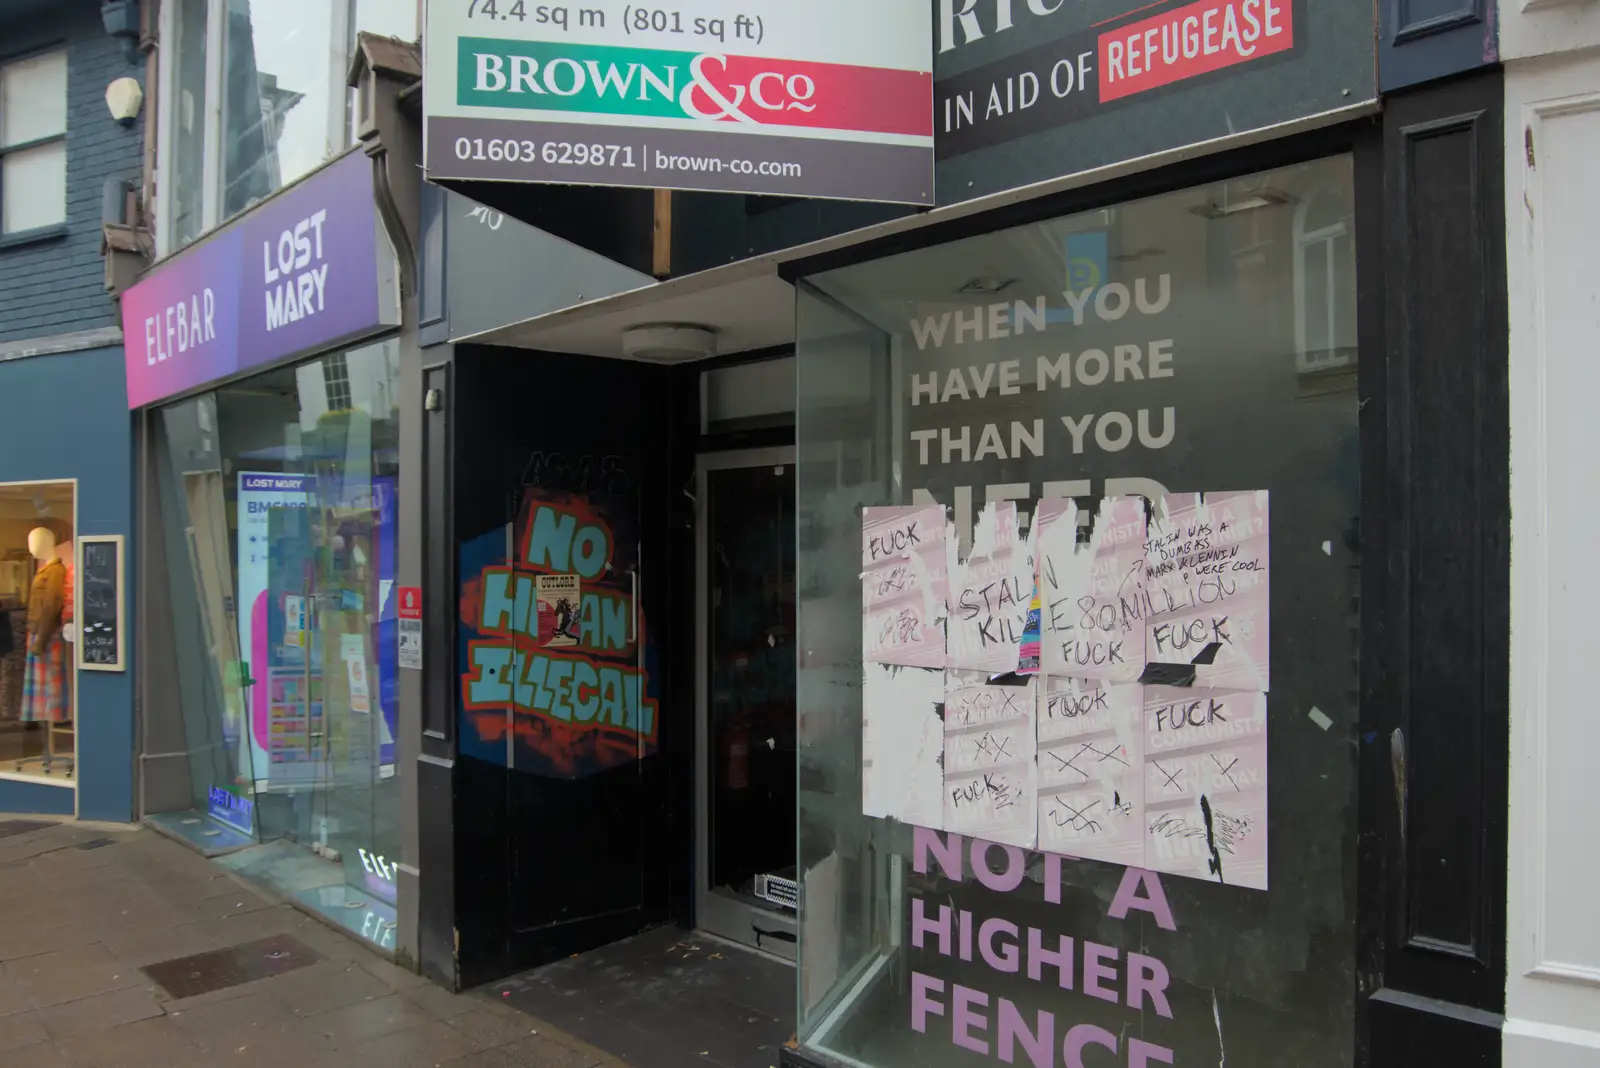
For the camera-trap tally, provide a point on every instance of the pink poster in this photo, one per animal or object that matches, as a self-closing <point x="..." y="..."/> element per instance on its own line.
<point x="1205" y="796"/>
<point x="990" y="593"/>
<point x="1209" y="588"/>
<point x="1094" y="601"/>
<point x="903" y="585"/>
<point x="989" y="767"/>
<point x="1091" y="770"/>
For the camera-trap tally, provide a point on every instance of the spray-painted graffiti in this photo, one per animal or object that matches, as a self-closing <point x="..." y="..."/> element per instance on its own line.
<point x="585" y="703"/>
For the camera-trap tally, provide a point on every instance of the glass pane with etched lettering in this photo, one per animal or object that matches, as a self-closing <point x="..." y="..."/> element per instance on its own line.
<point x="1164" y="368"/>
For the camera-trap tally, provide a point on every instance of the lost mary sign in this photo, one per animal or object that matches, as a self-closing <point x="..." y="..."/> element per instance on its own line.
<point x="1028" y="90"/>
<point x="831" y="98"/>
<point x="304" y="270"/>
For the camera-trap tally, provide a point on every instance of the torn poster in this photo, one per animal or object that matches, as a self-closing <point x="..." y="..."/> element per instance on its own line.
<point x="989" y="767"/>
<point x="1206" y="784"/>
<point x="1094" y="595"/>
<point x="903" y="585"/>
<point x="990" y="593"/>
<point x="902" y="744"/>
<point x="1091" y="770"/>
<point x="1209" y="591"/>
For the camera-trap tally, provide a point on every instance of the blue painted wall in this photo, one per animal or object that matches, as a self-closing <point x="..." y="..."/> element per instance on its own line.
<point x="66" y="416"/>
<point x="57" y="285"/>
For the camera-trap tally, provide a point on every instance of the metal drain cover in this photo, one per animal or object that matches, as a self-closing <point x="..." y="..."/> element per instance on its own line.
<point x="201" y="973"/>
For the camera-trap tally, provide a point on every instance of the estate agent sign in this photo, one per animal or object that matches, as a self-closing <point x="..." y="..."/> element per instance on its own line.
<point x="829" y="98"/>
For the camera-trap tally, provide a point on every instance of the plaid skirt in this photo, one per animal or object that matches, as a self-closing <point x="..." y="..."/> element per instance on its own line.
<point x="45" y="693"/>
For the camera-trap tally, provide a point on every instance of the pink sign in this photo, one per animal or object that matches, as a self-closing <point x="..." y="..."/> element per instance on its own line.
<point x="1091" y="770"/>
<point x="990" y="593"/>
<point x="989" y="767"/>
<point x="1094" y="595"/>
<point x="903" y="585"/>
<point x="1205" y="757"/>
<point x="1209" y="588"/>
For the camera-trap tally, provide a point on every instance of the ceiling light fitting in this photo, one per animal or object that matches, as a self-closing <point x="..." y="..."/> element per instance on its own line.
<point x="1255" y="200"/>
<point x="669" y="342"/>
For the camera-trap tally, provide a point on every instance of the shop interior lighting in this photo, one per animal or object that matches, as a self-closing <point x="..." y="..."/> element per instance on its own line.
<point x="1255" y="200"/>
<point x="985" y="285"/>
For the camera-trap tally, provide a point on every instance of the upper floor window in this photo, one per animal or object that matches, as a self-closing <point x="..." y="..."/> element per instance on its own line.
<point x="33" y="143"/>
<point x="255" y="98"/>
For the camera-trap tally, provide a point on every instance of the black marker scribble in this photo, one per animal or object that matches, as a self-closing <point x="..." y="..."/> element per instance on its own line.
<point x="1227" y="770"/>
<point x="1171" y="776"/>
<point x="1215" y="864"/>
<point x="1064" y="815"/>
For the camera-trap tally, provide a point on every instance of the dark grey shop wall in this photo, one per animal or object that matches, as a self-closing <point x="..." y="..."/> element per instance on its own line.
<point x="1420" y="40"/>
<point x="483" y="269"/>
<point x="66" y="416"/>
<point x="982" y="60"/>
<point x="56" y="285"/>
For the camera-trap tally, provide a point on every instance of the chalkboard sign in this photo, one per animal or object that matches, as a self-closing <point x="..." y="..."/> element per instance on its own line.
<point x="98" y="613"/>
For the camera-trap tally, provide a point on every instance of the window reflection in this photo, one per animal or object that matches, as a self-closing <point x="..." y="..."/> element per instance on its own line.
<point x="907" y="366"/>
<point x="282" y="65"/>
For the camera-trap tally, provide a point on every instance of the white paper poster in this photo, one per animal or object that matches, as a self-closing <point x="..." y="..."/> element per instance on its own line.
<point x="1206" y="784"/>
<point x="903" y="585"/>
<point x="990" y="772"/>
<point x="1093" y="593"/>
<point x="410" y="643"/>
<point x="902" y="744"/>
<point x="1207" y="568"/>
<point x="1144" y="743"/>
<point x="1091" y="770"/>
<point x="990" y="593"/>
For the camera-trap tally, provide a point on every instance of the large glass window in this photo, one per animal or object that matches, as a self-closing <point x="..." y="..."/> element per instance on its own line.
<point x="33" y="143"/>
<point x="184" y="113"/>
<point x="278" y="499"/>
<point x="274" y="72"/>
<point x="38" y="675"/>
<point x="1196" y="342"/>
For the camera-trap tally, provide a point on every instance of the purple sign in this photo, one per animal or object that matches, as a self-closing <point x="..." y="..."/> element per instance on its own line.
<point x="297" y="273"/>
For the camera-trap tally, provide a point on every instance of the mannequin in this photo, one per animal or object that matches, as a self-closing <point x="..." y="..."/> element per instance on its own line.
<point x="45" y="685"/>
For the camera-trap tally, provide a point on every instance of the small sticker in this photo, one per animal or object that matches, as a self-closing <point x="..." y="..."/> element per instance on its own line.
<point x="410" y="651"/>
<point x="1319" y="717"/>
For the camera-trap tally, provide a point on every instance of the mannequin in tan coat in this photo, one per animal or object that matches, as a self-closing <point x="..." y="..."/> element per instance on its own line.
<point x="45" y="693"/>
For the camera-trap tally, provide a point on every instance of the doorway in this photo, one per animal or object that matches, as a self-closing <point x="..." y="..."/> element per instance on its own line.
<point x="746" y="888"/>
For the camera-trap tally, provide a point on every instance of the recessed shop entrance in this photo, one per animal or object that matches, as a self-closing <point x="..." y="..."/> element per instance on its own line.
<point x="746" y="889"/>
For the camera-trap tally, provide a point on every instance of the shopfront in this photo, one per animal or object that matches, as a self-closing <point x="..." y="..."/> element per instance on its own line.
<point x="264" y="363"/>
<point x="1143" y="618"/>
<point x="66" y="678"/>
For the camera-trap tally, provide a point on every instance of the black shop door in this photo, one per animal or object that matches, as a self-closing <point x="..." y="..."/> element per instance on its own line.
<point x="565" y="827"/>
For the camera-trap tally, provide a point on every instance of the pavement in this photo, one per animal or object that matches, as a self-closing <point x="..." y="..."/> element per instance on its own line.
<point x="84" y="908"/>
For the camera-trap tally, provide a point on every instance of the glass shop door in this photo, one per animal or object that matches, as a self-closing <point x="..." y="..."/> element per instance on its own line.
<point x="745" y="737"/>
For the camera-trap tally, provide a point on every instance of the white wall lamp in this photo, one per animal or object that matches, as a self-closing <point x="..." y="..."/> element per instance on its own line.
<point x="124" y="98"/>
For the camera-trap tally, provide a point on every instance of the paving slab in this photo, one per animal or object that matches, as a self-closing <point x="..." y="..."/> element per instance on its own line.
<point x="126" y="949"/>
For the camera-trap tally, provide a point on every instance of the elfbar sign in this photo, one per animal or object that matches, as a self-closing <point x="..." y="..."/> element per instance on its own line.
<point x="297" y="273"/>
<point x="832" y="98"/>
